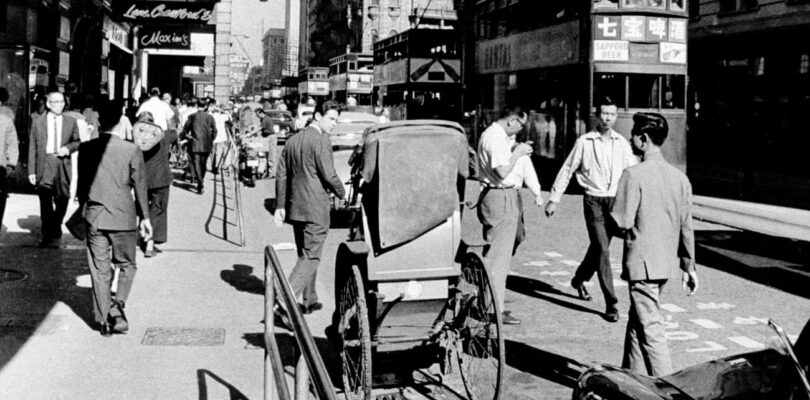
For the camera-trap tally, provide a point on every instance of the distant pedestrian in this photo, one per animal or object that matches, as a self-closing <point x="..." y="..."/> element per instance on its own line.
<point x="269" y="134"/>
<point x="220" y="156"/>
<point x="9" y="153"/>
<point x="74" y="107"/>
<point x="653" y="208"/>
<point x="159" y="178"/>
<point x="597" y="159"/>
<point x="52" y="139"/>
<point x="498" y="207"/>
<point x="305" y="177"/>
<point x="200" y="130"/>
<point x="174" y="121"/>
<point x="161" y="111"/>
<point x="108" y="167"/>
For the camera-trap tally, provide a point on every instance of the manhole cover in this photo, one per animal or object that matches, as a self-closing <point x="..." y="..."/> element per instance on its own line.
<point x="184" y="337"/>
<point x="10" y="275"/>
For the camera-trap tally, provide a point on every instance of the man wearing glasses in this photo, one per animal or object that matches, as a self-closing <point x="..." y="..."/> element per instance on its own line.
<point x="498" y="208"/>
<point x="53" y="138"/>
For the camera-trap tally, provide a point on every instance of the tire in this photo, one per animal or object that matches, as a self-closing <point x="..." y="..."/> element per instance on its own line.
<point x="355" y="336"/>
<point x="482" y="358"/>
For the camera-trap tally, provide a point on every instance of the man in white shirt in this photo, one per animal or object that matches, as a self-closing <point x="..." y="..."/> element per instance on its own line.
<point x="161" y="111"/>
<point x="223" y="123"/>
<point x="498" y="208"/>
<point x="598" y="160"/>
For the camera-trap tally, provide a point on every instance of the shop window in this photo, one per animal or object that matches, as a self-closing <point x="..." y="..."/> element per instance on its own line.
<point x="643" y="91"/>
<point x="759" y="66"/>
<point x="660" y="4"/>
<point x="611" y="85"/>
<point x="672" y="91"/>
<point x="352" y="66"/>
<point x="632" y="3"/>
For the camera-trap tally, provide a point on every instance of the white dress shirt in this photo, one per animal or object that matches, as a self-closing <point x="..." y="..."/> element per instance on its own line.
<point x="54" y="135"/>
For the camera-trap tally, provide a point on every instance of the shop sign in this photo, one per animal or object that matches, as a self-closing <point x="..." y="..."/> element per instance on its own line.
<point x="606" y="27"/>
<point x="117" y="35"/>
<point x="546" y="47"/>
<point x="202" y="44"/>
<point x="164" y="38"/>
<point x="656" y="29"/>
<point x="611" y="50"/>
<point x="144" y="12"/>
<point x="677" y="30"/>
<point x="673" y="53"/>
<point x="633" y="27"/>
<point x="435" y="71"/>
<point x="644" y="53"/>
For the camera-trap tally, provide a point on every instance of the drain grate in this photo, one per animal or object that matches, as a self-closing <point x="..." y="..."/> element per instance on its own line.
<point x="11" y="275"/>
<point x="184" y="337"/>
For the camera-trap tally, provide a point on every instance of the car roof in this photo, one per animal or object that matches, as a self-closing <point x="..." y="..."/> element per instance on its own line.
<point x="352" y="116"/>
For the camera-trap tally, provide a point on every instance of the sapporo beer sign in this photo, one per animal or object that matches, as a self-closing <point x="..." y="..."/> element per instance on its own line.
<point x="163" y="38"/>
<point x="145" y="12"/>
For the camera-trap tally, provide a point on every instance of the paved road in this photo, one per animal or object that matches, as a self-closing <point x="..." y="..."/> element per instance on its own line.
<point x="213" y="287"/>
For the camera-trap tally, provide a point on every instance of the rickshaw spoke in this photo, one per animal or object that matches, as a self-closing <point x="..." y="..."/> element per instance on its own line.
<point x="354" y="332"/>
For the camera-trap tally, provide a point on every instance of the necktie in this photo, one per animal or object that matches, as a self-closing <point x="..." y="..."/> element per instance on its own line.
<point x="55" y="137"/>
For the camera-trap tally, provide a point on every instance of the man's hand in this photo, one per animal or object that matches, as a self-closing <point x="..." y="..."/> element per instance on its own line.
<point x="278" y="217"/>
<point x="551" y="208"/>
<point x="146" y="230"/>
<point x="522" y="149"/>
<point x="690" y="282"/>
<point x="538" y="201"/>
<point x="33" y="179"/>
<point x="64" y="152"/>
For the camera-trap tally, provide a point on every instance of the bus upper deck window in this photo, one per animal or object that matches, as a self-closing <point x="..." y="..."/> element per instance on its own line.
<point x="643" y="91"/>
<point x="676" y="5"/>
<point x="611" y="85"/>
<point x="605" y="4"/>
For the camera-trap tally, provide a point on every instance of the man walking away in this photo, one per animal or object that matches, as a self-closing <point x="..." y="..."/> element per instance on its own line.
<point x="498" y="208"/>
<point x="52" y="139"/>
<point x="162" y="113"/>
<point x="598" y="159"/>
<point x="200" y="129"/>
<point x="305" y="177"/>
<point x="654" y="210"/>
<point x="8" y="159"/>
<point x="108" y="167"/>
<point x="158" y="175"/>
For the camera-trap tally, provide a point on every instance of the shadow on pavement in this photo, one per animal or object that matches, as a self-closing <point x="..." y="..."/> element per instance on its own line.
<point x="50" y="276"/>
<point x="543" y="291"/>
<point x="242" y="279"/>
<point x="202" y="384"/>
<point x="777" y="262"/>
<point x="288" y="347"/>
<point x="270" y="205"/>
<point x="542" y="364"/>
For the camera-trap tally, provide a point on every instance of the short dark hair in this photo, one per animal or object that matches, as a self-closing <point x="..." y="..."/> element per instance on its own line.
<point x="604" y="101"/>
<point x="3" y="95"/>
<point x="191" y="101"/>
<point x="324" y="107"/>
<point x="109" y="114"/>
<point x="510" y="110"/>
<point x="202" y="102"/>
<point x="155" y="91"/>
<point x="654" y="125"/>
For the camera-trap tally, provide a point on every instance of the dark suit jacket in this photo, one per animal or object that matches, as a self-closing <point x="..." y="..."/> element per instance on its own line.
<point x="305" y="176"/>
<point x="109" y="168"/>
<point x="201" y="131"/>
<point x="158" y="170"/>
<point x="39" y="139"/>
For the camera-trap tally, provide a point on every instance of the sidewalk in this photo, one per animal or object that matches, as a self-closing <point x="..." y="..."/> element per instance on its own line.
<point x="195" y="311"/>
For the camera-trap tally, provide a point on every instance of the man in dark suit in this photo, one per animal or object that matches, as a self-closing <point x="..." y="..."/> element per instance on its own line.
<point x="110" y="168"/>
<point x="200" y="130"/>
<point x="305" y="176"/>
<point x="158" y="181"/>
<point x="53" y="138"/>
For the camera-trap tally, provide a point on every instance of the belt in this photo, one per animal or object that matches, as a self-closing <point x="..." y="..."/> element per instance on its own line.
<point x="487" y="187"/>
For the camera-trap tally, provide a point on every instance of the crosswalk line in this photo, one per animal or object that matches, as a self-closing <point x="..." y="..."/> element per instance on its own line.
<point x="553" y="254"/>
<point x="672" y="308"/>
<point x="537" y="264"/>
<point x="706" y="323"/>
<point x="570" y="263"/>
<point x="746" y="342"/>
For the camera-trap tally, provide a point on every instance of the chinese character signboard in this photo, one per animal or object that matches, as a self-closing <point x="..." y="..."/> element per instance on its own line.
<point x="656" y="29"/>
<point x="677" y="30"/>
<point x="163" y="38"/>
<point x="633" y="28"/>
<point x="606" y="27"/>
<point x="145" y="12"/>
<point x="640" y="39"/>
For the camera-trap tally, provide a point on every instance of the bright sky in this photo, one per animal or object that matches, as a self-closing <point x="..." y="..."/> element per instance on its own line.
<point x="247" y="20"/>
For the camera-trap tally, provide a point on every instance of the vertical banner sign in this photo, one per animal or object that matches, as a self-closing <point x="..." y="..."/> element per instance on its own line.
<point x="146" y="12"/>
<point x="157" y="37"/>
<point x="677" y="30"/>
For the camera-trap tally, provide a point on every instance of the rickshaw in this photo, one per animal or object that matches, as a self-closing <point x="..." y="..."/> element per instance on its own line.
<point x="407" y="290"/>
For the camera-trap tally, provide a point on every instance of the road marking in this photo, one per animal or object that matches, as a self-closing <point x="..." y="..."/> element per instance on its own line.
<point x="537" y="263"/>
<point x="710" y="346"/>
<point x="671" y="308"/>
<point x="750" y="320"/>
<point x="715" y="306"/>
<point x="555" y="273"/>
<point x="570" y="263"/>
<point x="681" y="336"/>
<point x="553" y="254"/>
<point x="706" y="323"/>
<point x="746" y="342"/>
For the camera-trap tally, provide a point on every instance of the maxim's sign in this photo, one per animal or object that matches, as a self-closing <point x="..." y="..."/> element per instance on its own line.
<point x="145" y="12"/>
<point x="163" y="38"/>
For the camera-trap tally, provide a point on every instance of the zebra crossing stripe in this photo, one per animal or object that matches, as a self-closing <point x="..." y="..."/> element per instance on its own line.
<point x="706" y="323"/>
<point x="570" y="263"/>
<point x="746" y="342"/>
<point x="553" y="254"/>
<point x="672" y="308"/>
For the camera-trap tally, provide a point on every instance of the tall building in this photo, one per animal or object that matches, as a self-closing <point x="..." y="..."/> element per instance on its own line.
<point x="331" y="28"/>
<point x="274" y="53"/>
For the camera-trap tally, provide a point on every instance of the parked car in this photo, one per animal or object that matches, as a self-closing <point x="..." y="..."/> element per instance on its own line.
<point x="349" y="129"/>
<point x="775" y="373"/>
<point x="283" y="124"/>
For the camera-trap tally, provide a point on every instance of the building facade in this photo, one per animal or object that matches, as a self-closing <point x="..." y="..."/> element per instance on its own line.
<point x="274" y="54"/>
<point x="750" y="91"/>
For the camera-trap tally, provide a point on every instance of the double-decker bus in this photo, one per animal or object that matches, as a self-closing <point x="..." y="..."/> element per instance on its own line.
<point x="350" y="76"/>
<point x="417" y="74"/>
<point x="561" y="58"/>
<point x="313" y="83"/>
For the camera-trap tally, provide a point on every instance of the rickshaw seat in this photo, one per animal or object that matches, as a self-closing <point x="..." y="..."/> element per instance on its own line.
<point x="412" y="170"/>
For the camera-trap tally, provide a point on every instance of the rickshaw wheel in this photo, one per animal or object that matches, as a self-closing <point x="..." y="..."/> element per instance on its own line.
<point x="482" y="355"/>
<point x="355" y="337"/>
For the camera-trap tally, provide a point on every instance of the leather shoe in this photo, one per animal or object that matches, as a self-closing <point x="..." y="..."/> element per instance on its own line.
<point x="105" y="330"/>
<point x="120" y="324"/>
<point x="581" y="291"/>
<point x="311" y="308"/>
<point x="282" y="316"/>
<point x="157" y="250"/>
<point x="508" y="319"/>
<point x="612" y="314"/>
<point x="149" y="253"/>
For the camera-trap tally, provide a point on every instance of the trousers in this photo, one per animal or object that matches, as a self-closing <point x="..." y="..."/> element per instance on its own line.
<point x="52" y="209"/>
<point x="197" y="161"/>
<point x="498" y="212"/>
<point x="3" y="193"/>
<point x="309" y="239"/>
<point x="106" y="250"/>
<point x="600" y="227"/>
<point x="645" y="341"/>
<point x="159" y="213"/>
